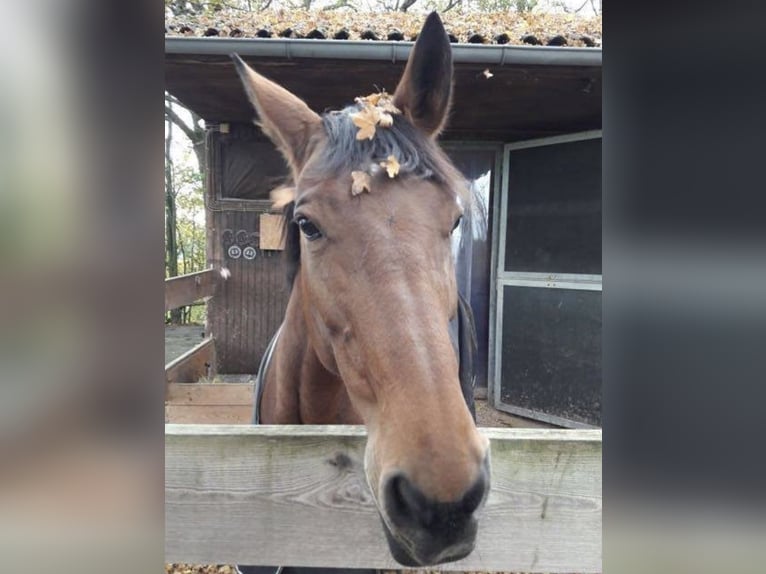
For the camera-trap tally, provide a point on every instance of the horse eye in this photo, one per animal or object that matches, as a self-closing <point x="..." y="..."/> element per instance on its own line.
<point x="310" y="230"/>
<point x="457" y="222"/>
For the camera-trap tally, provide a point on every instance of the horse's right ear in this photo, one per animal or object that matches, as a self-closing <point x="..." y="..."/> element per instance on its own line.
<point x="424" y="91"/>
<point x="283" y="116"/>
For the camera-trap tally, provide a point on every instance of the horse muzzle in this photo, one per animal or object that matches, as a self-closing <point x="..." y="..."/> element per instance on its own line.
<point x="424" y="532"/>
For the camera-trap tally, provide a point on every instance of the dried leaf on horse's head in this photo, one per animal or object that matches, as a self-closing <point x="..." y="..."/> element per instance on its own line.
<point x="386" y="119"/>
<point x="366" y="120"/>
<point x="387" y="105"/>
<point x="391" y="165"/>
<point x="360" y="182"/>
<point x="372" y="99"/>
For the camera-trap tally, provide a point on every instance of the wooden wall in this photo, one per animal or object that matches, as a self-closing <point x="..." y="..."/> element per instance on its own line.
<point x="250" y="304"/>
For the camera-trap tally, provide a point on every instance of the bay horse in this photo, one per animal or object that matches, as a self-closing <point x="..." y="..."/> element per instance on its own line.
<point x="365" y="337"/>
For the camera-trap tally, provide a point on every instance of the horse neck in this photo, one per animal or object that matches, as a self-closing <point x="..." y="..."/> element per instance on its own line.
<point x="301" y="390"/>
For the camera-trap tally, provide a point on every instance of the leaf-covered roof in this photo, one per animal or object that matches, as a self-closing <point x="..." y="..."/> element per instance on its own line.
<point x="552" y="29"/>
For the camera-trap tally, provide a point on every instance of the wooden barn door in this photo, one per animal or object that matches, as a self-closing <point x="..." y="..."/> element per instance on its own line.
<point x="249" y="306"/>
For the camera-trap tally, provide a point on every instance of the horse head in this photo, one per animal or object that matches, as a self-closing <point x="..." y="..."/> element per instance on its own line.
<point x="375" y="203"/>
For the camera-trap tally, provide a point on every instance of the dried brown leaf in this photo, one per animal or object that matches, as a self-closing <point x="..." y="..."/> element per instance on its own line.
<point x="391" y="166"/>
<point x="386" y="120"/>
<point x="460" y="23"/>
<point x="360" y="182"/>
<point x="366" y="120"/>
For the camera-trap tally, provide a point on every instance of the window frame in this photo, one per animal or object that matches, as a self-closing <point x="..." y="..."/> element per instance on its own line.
<point x="503" y="278"/>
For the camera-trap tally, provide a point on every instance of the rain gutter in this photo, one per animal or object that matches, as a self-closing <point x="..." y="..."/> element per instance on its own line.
<point x="496" y="55"/>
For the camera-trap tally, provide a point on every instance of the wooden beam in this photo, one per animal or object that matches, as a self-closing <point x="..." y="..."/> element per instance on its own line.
<point x="297" y="496"/>
<point x="218" y="394"/>
<point x="209" y="403"/>
<point x="193" y="365"/>
<point x="209" y="414"/>
<point x="186" y="289"/>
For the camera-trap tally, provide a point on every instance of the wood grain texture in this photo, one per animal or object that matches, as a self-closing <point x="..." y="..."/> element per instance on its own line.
<point x="296" y="495"/>
<point x="209" y="393"/>
<point x="272" y="236"/>
<point x="209" y="414"/>
<point x="209" y="403"/>
<point x="519" y="102"/>
<point x="186" y="289"/>
<point x="249" y="306"/>
<point x="194" y="364"/>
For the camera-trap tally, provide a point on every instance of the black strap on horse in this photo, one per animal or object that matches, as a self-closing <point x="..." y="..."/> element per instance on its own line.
<point x="467" y="351"/>
<point x="260" y="378"/>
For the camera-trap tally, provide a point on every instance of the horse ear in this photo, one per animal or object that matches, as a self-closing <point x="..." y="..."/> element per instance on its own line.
<point x="424" y="91"/>
<point x="283" y="117"/>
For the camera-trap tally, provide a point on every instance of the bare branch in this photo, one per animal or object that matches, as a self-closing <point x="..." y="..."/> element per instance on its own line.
<point x="406" y="5"/>
<point x="176" y="119"/>
<point x="340" y="4"/>
<point x="576" y="10"/>
<point x="452" y="4"/>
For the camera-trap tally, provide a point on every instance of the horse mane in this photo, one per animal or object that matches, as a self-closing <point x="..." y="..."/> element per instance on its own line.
<point x="419" y="156"/>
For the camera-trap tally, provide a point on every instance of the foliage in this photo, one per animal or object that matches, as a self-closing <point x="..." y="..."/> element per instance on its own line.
<point x="190" y="218"/>
<point x="186" y="191"/>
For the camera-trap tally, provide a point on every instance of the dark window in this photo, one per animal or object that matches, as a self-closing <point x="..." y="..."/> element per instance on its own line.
<point x="551" y="351"/>
<point x="250" y="167"/>
<point x="554" y="209"/>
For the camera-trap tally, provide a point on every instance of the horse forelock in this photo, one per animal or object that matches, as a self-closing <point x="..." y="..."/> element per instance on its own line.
<point x="340" y="153"/>
<point x="418" y="155"/>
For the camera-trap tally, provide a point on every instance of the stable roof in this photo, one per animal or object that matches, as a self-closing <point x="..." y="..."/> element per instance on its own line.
<point x="533" y="91"/>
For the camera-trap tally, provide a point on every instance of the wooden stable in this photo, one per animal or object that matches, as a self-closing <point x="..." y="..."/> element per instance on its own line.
<point x="235" y="493"/>
<point x="296" y="495"/>
<point x="527" y="140"/>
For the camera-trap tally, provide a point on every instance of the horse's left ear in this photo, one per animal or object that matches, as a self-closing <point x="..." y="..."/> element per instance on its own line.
<point x="283" y="116"/>
<point x="424" y="91"/>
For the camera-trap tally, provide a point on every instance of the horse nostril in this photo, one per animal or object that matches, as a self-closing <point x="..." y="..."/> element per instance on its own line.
<point x="475" y="495"/>
<point x="406" y="503"/>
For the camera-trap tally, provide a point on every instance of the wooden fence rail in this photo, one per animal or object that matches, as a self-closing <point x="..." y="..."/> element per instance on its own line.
<point x="186" y="289"/>
<point x="297" y="496"/>
<point x="194" y="364"/>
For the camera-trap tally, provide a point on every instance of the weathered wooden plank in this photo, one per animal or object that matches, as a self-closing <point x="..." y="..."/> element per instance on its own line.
<point x="272" y="232"/>
<point x="193" y="364"/>
<point x="209" y="414"/>
<point x="209" y="393"/>
<point x="186" y="289"/>
<point x="248" y="307"/>
<point x="287" y="495"/>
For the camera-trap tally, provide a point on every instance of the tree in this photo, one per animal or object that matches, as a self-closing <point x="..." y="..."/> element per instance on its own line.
<point x="184" y="192"/>
<point x="194" y="130"/>
<point x="171" y="244"/>
<point x="190" y="224"/>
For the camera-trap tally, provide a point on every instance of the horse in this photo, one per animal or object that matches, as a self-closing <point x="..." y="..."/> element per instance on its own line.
<point x="366" y="333"/>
